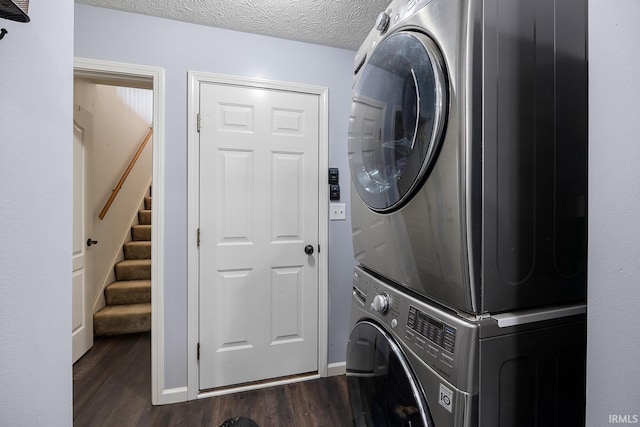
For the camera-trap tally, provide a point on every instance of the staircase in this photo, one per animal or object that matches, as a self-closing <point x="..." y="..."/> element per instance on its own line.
<point x="128" y="299"/>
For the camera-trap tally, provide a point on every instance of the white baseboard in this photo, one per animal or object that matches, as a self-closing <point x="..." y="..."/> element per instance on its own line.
<point x="339" y="368"/>
<point x="174" y="395"/>
<point x="180" y="394"/>
<point x="257" y="386"/>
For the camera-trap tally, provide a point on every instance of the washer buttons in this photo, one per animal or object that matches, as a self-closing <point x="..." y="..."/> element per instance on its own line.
<point x="433" y="351"/>
<point x="447" y="360"/>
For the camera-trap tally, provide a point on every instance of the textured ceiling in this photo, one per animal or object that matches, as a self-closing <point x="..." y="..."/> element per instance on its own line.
<point x="337" y="23"/>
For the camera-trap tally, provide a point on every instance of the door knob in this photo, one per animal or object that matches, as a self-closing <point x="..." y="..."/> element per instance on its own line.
<point x="91" y="242"/>
<point x="308" y="250"/>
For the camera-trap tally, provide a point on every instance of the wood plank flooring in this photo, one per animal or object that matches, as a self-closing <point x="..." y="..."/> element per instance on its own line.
<point x="112" y="387"/>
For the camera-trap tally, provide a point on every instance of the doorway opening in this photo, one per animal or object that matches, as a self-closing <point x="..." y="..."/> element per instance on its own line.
<point x="121" y="151"/>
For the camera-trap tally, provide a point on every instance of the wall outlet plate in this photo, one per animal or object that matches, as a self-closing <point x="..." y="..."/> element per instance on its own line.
<point x="337" y="211"/>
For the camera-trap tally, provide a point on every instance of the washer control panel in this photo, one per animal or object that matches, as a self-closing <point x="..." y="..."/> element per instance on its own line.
<point x="397" y="11"/>
<point x="435" y="331"/>
<point x="428" y="333"/>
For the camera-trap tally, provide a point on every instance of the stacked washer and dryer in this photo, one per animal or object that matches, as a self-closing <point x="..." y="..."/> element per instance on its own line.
<point x="468" y="158"/>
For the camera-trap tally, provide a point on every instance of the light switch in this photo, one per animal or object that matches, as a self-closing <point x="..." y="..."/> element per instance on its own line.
<point x="334" y="192"/>
<point x="337" y="212"/>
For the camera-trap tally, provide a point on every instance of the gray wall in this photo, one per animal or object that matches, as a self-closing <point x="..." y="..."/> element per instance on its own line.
<point x="613" y="349"/>
<point x="36" y="63"/>
<point x="179" y="47"/>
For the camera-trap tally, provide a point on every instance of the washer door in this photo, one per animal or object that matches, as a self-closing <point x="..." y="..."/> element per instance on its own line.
<point x="398" y="118"/>
<point x="382" y="388"/>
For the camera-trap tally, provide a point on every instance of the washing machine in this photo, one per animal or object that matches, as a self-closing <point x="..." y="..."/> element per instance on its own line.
<point x="415" y="363"/>
<point x="468" y="151"/>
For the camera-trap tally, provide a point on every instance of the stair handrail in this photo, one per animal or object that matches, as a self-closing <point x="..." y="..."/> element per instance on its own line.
<point x="132" y="163"/>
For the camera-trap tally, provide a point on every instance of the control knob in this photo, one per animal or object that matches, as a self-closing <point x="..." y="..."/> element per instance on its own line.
<point x="381" y="303"/>
<point x="382" y="22"/>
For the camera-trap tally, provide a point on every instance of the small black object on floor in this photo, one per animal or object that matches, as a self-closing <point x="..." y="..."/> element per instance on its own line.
<point x="239" y="422"/>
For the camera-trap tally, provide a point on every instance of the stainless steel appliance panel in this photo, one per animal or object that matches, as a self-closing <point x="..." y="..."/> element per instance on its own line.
<point x="411" y="361"/>
<point x="401" y="359"/>
<point x="498" y="221"/>
<point x="422" y="242"/>
<point x="534" y="157"/>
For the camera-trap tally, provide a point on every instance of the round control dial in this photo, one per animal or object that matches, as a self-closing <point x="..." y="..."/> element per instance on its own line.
<point x="381" y="303"/>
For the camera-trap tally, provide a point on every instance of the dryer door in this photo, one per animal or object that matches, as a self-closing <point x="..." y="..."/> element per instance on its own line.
<point x="398" y="116"/>
<point x="382" y="388"/>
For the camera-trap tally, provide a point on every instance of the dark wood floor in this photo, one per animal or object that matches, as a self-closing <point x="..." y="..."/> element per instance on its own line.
<point x="112" y="387"/>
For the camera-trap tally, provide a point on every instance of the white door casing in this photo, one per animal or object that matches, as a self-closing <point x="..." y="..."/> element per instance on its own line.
<point x="81" y="297"/>
<point x="196" y="79"/>
<point x="133" y="74"/>
<point x="258" y="212"/>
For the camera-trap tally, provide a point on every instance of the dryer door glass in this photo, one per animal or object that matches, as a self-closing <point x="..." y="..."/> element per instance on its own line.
<point x="397" y="120"/>
<point x="382" y="388"/>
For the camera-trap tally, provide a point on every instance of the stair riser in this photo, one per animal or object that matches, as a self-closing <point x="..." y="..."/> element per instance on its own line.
<point x="131" y="296"/>
<point x="147" y="203"/>
<point x="137" y="251"/>
<point x="141" y="233"/>
<point x="138" y="272"/>
<point x="144" y="217"/>
<point x="116" y="325"/>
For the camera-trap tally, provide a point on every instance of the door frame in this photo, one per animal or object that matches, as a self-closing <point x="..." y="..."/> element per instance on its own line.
<point x="195" y="78"/>
<point x="127" y="75"/>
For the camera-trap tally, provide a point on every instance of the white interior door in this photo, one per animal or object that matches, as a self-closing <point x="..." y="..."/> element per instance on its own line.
<point x="258" y="211"/>
<point x="81" y="317"/>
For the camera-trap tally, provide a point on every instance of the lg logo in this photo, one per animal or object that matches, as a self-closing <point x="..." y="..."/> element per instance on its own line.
<point x="446" y="397"/>
<point x="624" y="419"/>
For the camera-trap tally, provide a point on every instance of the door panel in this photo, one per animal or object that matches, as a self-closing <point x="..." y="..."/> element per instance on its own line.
<point x="258" y="210"/>
<point x="404" y="75"/>
<point x="81" y="315"/>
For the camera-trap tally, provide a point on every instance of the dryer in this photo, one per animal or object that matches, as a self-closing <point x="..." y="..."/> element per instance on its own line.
<point x="468" y="152"/>
<point x="415" y="363"/>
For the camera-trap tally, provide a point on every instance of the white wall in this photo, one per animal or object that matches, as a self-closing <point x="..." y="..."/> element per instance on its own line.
<point x="613" y="349"/>
<point x="36" y="77"/>
<point x="179" y="47"/>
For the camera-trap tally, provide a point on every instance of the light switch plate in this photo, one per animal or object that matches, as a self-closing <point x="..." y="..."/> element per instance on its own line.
<point x="337" y="212"/>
